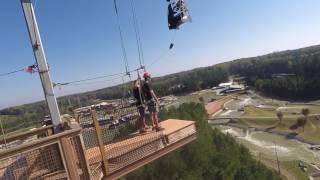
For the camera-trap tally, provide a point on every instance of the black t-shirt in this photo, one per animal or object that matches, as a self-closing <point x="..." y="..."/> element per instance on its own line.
<point x="147" y="90"/>
<point x="139" y="96"/>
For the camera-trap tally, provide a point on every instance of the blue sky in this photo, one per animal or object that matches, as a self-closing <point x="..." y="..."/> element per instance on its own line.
<point x="81" y="40"/>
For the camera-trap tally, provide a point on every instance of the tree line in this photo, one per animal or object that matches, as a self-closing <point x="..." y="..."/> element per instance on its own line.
<point x="258" y="71"/>
<point x="298" y="69"/>
<point x="212" y="156"/>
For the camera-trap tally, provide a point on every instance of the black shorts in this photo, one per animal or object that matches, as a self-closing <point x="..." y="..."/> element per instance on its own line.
<point x="142" y="111"/>
<point x="152" y="106"/>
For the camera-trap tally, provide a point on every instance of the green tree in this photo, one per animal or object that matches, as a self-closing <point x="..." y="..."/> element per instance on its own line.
<point x="305" y="112"/>
<point x="201" y="99"/>
<point x="301" y="122"/>
<point x="212" y="156"/>
<point x="280" y="116"/>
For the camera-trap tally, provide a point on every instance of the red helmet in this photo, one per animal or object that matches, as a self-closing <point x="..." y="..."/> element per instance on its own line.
<point x="146" y="75"/>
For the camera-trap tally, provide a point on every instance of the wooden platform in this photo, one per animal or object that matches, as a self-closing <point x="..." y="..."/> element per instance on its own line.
<point x="121" y="147"/>
<point x="173" y="125"/>
<point x="139" y="149"/>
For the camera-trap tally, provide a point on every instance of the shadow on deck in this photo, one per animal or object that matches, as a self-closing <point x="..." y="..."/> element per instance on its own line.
<point x="65" y="156"/>
<point x="140" y="149"/>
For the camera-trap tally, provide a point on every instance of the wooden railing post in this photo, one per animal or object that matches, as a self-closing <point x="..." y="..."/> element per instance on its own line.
<point x="83" y="155"/>
<point x="69" y="158"/>
<point x="100" y="142"/>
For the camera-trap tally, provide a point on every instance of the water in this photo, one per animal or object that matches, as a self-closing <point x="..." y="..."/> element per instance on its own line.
<point x="245" y="102"/>
<point x="262" y="142"/>
<point x="227" y="113"/>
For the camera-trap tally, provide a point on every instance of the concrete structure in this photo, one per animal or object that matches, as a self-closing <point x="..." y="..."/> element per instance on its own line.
<point x="225" y="85"/>
<point x="228" y="87"/>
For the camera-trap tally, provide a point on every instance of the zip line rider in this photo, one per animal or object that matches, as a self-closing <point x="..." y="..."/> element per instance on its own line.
<point x="177" y="14"/>
<point x="151" y="101"/>
<point x="138" y="95"/>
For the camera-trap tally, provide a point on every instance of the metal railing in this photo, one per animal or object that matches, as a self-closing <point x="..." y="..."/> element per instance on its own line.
<point x="112" y="140"/>
<point x="90" y="149"/>
<point x="21" y="138"/>
<point x="59" y="156"/>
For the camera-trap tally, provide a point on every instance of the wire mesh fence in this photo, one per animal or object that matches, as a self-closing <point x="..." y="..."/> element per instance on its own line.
<point x="182" y="133"/>
<point x="13" y="124"/>
<point x="109" y="142"/>
<point x="130" y="153"/>
<point x="119" y="130"/>
<point x="115" y="125"/>
<point x="32" y="164"/>
<point x="81" y="162"/>
<point x="44" y="159"/>
<point x="13" y="140"/>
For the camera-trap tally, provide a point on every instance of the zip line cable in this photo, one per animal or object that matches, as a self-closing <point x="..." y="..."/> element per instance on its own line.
<point x="89" y="83"/>
<point x="23" y="69"/>
<point x="117" y="75"/>
<point x="124" y="53"/>
<point x="124" y="90"/>
<point x="35" y="4"/>
<point x="137" y="34"/>
<point x="162" y="56"/>
<point x="89" y="79"/>
<point x="12" y="72"/>
<point x="128" y="72"/>
<point x="165" y="53"/>
<point x="29" y="69"/>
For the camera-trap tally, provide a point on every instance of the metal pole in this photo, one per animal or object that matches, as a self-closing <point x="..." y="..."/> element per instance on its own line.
<point x="41" y="62"/>
<point x="275" y="150"/>
<point x="3" y="134"/>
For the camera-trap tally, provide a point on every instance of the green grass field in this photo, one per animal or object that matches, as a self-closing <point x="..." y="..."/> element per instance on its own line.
<point x="251" y="111"/>
<point x="207" y="96"/>
<point x="261" y="118"/>
<point x="288" y="169"/>
<point x="294" y="169"/>
<point x="312" y="108"/>
<point x="11" y="125"/>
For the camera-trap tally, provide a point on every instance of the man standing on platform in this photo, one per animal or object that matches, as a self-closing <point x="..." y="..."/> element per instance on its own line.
<point x="151" y="101"/>
<point x="137" y="93"/>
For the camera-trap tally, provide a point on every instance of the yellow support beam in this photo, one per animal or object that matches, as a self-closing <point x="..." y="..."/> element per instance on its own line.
<point x="100" y="142"/>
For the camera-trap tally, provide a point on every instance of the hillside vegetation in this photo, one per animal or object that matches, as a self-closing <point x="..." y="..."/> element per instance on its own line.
<point x="303" y="65"/>
<point x="212" y="156"/>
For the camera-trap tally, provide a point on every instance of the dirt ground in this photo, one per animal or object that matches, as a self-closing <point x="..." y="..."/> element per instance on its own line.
<point x="215" y="106"/>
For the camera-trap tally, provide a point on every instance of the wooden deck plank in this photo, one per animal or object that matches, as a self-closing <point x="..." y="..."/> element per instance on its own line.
<point x="118" y="148"/>
<point x="172" y="125"/>
<point x="148" y="159"/>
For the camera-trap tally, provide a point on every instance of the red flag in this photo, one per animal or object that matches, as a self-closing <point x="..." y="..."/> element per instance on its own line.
<point x="29" y="69"/>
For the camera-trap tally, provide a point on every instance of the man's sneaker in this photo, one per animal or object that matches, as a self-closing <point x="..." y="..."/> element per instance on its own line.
<point x="154" y="128"/>
<point x="142" y="131"/>
<point x="159" y="129"/>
